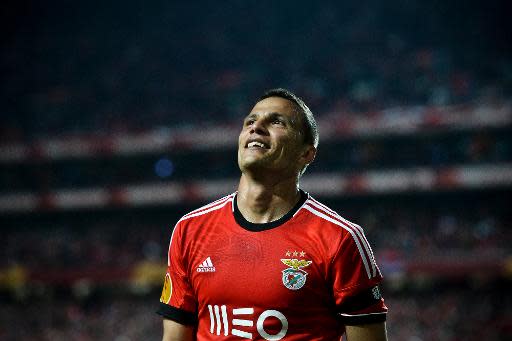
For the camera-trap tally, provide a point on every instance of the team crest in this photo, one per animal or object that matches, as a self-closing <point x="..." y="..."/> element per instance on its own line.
<point x="294" y="277"/>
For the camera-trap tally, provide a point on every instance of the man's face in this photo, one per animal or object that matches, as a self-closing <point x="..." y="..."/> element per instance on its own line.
<point x="271" y="139"/>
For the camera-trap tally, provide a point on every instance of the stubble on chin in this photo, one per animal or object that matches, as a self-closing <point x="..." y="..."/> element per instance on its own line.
<point x="252" y="164"/>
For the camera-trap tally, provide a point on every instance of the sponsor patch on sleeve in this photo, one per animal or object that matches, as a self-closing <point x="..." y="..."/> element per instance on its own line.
<point x="166" y="290"/>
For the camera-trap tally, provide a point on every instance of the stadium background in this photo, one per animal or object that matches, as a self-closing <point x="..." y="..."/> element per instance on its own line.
<point x="116" y="119"/>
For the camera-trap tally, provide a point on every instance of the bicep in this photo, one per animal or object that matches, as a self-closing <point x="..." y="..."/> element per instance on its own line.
<point x="174" y="331"/>
<point x="367" y="332"/>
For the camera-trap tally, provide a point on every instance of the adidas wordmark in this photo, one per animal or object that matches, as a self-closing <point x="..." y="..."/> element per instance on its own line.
<point x="206" y="266"/>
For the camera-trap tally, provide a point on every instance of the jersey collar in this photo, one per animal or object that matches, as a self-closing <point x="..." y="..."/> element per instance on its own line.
<point x="255" y="227"/>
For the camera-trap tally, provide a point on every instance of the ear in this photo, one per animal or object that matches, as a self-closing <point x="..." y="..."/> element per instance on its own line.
<point x="308" y="155"/>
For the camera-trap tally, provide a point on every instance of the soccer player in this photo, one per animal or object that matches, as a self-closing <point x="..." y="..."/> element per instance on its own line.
<point x="269" y="262"/>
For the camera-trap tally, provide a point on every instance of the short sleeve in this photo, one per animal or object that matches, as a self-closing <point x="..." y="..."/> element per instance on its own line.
<point x="177" y="301"/>
<point x="356" y="279"/>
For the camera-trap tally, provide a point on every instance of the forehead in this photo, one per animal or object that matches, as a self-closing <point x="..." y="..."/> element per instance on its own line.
<point x="276" y="105"/>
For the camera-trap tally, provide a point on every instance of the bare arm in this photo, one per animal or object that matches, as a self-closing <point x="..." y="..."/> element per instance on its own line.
<point x="367" y="332"/>
<point x="173" y="331"/>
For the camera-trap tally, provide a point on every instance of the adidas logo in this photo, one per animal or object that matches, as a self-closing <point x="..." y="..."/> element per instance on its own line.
<point x="206" y="266"/>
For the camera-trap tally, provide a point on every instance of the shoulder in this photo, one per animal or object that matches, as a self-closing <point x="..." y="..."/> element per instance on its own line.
<point x="353" y="239"/>
<point x="324" y="214"/>
<point x="207" y="210"/>
<point x="191" y="223"/>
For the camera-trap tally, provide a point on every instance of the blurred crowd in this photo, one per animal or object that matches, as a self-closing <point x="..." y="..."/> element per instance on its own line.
<point x="113" y="319"/>
<point x="98" y="69"/>
<point x="75" y="246"/>
<point x="451" y="312"/>
<point x="420" y="309"/>
<point x="176" y="64"/>
<point x="345" y="156"/>
<point x="418" y="228"/>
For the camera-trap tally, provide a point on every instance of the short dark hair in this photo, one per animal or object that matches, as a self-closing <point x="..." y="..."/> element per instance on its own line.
<point x="310" y="128"/>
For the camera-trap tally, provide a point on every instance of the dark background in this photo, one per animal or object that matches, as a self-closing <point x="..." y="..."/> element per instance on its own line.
<point x="118" y="118"/>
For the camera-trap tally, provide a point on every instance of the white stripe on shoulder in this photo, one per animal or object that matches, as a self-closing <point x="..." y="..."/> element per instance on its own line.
<point x="322" y="205"/>
<point x="323" y="215"/>
<point x="170" y="243"/>
<point x="357" y="315"/>
<point x="214" y="203"/>
<point x="210" y="209"/>
<point x="217" y="204"/>
<point x="358" y="230"/>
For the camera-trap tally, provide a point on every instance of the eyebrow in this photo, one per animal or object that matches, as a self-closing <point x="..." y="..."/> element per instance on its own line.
<point x="275" y="113"/>
<point x="250" y="116"/>
<point x="290" y="119"/>
<point x="270" y="114"/>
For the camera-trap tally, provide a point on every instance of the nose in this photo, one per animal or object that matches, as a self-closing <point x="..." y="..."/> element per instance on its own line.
<point x="259" y="127"/>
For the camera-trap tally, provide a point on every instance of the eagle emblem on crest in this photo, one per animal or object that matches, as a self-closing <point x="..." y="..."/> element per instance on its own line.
<point x="294" y="277"/>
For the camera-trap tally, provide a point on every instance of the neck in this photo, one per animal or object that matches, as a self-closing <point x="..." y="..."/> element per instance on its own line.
<point x="265" y="202"/>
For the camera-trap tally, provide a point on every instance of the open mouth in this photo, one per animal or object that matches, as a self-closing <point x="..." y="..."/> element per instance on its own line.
<point x="257" y="145"/>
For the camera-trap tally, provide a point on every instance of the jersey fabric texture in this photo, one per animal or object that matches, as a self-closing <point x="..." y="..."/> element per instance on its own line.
<point x="302" y="277"/>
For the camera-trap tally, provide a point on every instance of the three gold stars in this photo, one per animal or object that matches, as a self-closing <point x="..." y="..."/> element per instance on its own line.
<point x="295" y="253"/>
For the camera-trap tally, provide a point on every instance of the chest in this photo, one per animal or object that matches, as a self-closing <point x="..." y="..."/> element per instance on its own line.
<point x="278" y="267"/>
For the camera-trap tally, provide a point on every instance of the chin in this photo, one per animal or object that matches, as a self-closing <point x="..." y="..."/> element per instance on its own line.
<point x="253" y="165"/>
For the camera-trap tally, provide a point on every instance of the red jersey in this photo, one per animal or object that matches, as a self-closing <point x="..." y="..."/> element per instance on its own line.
<point x="302" y="277"/>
